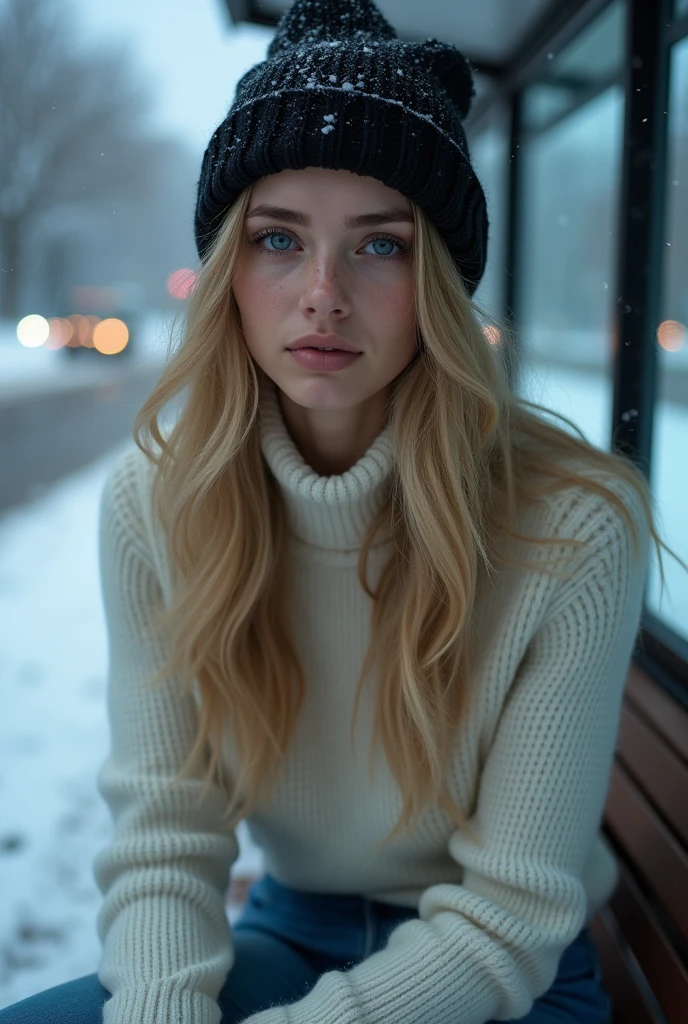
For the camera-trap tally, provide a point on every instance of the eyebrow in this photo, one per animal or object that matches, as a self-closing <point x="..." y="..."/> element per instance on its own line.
<point x="362" y="220"/>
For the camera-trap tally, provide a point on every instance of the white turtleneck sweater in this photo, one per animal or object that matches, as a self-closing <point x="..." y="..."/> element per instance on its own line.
<point x="531" y="765"/>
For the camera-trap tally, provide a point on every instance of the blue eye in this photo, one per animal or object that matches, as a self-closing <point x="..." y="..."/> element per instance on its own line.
<point x="271" y="234"/>
<point x="390" y="241"/>
<point x="278" y="233"/>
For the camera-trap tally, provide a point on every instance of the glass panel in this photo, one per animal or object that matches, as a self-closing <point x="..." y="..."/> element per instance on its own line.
<point x="567" y="265"/>
<point x="581" y="69"/>
<point x="490" y="158"/>
<point x="681" y="8"/>
<point x="484" y="87"/>
<point x="670" y="428"/>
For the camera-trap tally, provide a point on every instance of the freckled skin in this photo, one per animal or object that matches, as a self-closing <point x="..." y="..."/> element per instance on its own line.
<point x="325" y="278"/>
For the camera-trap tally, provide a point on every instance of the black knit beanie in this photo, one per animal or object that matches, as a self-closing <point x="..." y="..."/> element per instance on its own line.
<point x="340" y="90"/>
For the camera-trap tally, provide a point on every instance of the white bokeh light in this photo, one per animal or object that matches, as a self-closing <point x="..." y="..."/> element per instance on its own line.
<point x="33" y="331"/>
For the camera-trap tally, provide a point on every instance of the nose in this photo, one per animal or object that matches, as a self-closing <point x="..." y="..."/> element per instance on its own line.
<point x="324" y="292"/>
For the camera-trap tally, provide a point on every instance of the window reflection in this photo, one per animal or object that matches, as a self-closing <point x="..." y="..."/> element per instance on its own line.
<point x="670" y="426"/>
<point x="566" y="264"/>
<point x="589" y="64"/>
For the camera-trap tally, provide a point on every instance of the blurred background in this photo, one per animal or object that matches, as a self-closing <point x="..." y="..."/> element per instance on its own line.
<point x="580" y="139"/>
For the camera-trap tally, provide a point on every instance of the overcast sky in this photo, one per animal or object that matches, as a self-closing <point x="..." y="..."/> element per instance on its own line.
<point x="187" y="50"/>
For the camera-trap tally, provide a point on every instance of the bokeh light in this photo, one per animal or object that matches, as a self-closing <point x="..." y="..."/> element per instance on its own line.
<point x="81" y="330"/>
<point x="110" y="336"/>
<point x="60" y="332"/>
<point x="672" y="335"/>
<point x="33" y="331"/>
<point x="181" y="283"/>
<point x="93" y="322"/>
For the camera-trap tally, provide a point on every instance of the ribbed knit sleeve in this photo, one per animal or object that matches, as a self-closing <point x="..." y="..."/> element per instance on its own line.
<point x="166" y="939"/>
<point x="487" y="948"/>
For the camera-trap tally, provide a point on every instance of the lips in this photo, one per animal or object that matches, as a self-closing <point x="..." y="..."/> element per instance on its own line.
<point x="335" y="344"/>
<point x="328" y="348"/>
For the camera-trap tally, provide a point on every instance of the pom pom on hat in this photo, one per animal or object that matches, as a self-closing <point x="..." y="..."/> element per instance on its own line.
<point x="308" y="22"/>
<point x="450" y="67"/>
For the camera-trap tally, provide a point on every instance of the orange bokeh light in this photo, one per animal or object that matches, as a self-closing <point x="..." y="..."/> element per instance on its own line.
<point x="110" y="336"/>
<point x="671" y="335"/>
<point x="80" y="331"/>
<point x="492" y="334"/>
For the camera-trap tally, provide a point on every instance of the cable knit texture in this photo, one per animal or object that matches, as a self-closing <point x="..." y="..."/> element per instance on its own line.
<point x="531" y="766"/>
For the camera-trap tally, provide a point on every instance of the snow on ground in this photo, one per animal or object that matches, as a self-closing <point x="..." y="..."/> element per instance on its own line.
<point x="54" y="731"/>
<point x="53" y="737"/>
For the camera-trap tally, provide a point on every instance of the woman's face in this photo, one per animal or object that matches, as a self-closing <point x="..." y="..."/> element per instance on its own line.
<point x="319" y="274"/>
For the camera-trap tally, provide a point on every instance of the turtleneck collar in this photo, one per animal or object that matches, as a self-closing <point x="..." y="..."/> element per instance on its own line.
<point x="325" y="511"/>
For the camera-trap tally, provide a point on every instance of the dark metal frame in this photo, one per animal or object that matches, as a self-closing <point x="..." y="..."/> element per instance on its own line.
<point x="651" y="32"/>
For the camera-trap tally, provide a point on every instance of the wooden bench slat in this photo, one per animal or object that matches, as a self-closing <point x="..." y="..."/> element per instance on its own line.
<point x="655" y="956"/>
<point x="665" y="714"/>
<point x="660" y="773"/>
<point x="656" y="855"/>
<point x="630" y="1005"/>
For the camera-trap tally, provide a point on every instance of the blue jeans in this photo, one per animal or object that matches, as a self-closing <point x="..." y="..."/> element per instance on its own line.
<point x="285" y="939"/>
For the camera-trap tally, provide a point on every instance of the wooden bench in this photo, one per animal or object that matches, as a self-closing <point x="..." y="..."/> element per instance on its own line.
<point x="642" y="933"/>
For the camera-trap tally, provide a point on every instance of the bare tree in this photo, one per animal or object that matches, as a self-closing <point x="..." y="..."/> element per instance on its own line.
<point x="72" y="130"/>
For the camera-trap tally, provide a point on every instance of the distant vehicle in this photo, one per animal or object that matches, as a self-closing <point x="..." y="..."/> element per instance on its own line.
<point x="103" y="321"/>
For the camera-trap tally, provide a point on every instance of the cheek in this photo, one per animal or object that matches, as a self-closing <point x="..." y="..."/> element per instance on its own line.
<point x="258" y="299"/>
<point x="396" y="305"/>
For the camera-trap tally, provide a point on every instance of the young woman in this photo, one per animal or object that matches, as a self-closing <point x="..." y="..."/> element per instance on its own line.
<point x="393" y="516"/>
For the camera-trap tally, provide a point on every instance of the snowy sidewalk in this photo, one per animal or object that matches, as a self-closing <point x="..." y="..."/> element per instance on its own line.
<point x="54" y="736"/>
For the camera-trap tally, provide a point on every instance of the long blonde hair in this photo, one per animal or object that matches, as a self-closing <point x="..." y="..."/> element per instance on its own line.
<point x="468" y="454"/>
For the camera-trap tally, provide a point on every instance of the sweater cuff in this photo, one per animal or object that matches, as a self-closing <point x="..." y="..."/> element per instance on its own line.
<point x="161" y="1004"/>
